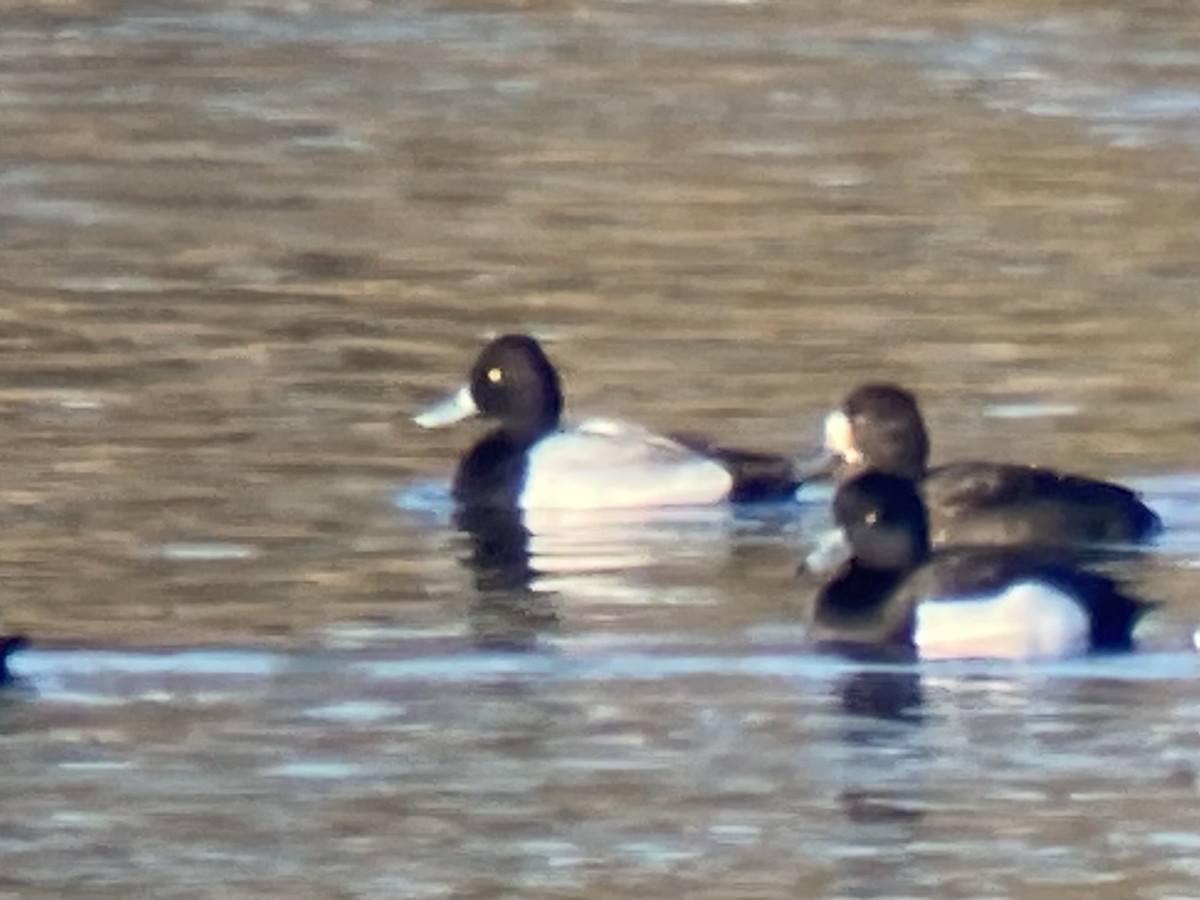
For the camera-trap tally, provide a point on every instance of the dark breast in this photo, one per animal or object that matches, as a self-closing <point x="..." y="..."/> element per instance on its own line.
<point x="492" y="474"/>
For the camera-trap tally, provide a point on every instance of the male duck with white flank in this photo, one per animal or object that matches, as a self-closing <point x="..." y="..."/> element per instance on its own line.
<point x="531" y="460"/>
<point x="957" y="603"/>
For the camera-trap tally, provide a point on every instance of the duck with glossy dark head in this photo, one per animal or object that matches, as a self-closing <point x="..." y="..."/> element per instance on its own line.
<point x="967" y="602"/>
<point x="532" y="460"/>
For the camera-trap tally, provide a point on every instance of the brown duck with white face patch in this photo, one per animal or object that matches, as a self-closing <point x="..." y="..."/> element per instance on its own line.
<point x="879" y="428"/>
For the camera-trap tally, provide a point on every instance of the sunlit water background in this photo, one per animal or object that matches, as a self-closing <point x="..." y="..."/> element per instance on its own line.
<point x="241" y="243"/>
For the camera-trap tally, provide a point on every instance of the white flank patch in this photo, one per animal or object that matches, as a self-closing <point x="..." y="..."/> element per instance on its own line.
<point x="603" y="464"/>
<point x="1027" y="620"/>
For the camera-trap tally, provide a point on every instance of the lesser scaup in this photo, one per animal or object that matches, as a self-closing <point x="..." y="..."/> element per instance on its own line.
<point x="879" y="427"/>
<point x="532" y="461"/>
<point x="966" y="602"/>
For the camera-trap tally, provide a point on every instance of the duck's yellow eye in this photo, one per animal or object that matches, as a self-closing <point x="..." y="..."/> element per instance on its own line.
<point x="872" y="517"/>
<point x="495" y="374"/>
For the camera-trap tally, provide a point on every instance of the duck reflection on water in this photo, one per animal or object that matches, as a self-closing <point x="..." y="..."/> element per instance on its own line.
<point x="507" y="613"/>
<point x="884" y="689"/>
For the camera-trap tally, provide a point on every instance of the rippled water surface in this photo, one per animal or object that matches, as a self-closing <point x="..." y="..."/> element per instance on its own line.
<point x="241" y="243"/>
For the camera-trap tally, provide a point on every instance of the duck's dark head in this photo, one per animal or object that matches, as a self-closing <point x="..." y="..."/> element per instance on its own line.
<point x="884" y="521"/>
<point x="512" y="382"/>
<point x="879" y="427"/>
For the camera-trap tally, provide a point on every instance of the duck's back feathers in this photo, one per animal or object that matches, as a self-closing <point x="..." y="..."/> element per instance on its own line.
<point x="1001" y="503"/>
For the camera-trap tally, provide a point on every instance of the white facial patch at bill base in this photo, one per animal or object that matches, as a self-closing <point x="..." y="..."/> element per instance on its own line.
<point x="1027" y="620"/>
<point x="839" y="437"/>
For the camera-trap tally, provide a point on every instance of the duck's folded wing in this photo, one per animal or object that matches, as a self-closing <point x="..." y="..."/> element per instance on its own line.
<point x="957" y="572"/>
<point x="1039" y="503"/>
<point x="981" y="484"/>
<point x="971" y="485"/>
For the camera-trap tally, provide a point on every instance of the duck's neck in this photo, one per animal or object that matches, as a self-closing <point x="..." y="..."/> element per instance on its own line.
<point x="894" y="449"/>
<point x="856" y="602"/>
<point x="858" y="590"/>
<point x="903" y="464"/>
<point x="530" y="415"/>
<point x="492" y="474"/>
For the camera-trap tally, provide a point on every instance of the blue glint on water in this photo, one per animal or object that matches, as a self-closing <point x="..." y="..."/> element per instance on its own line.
<point x="1032" y="410"/>
<point x="355" y="711"/>
<point x="187" y="662"/>
<point x="1176" y="499"/>
<point x="332" y="770"/>
<point x="428" y="500"/>
<point x="198" y="551"/>
<point x="209" y="678"/>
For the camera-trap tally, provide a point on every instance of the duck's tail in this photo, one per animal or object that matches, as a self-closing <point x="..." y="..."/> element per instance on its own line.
<point x="1146" y="523"/>
<point x="757" y="477"/>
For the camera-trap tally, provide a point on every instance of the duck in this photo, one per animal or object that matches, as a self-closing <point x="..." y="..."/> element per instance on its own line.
<point x="895" y="593"/>
<point x="879" y="427"/>
<point x="9" y="644"/>
<point x="531" y="459"/>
